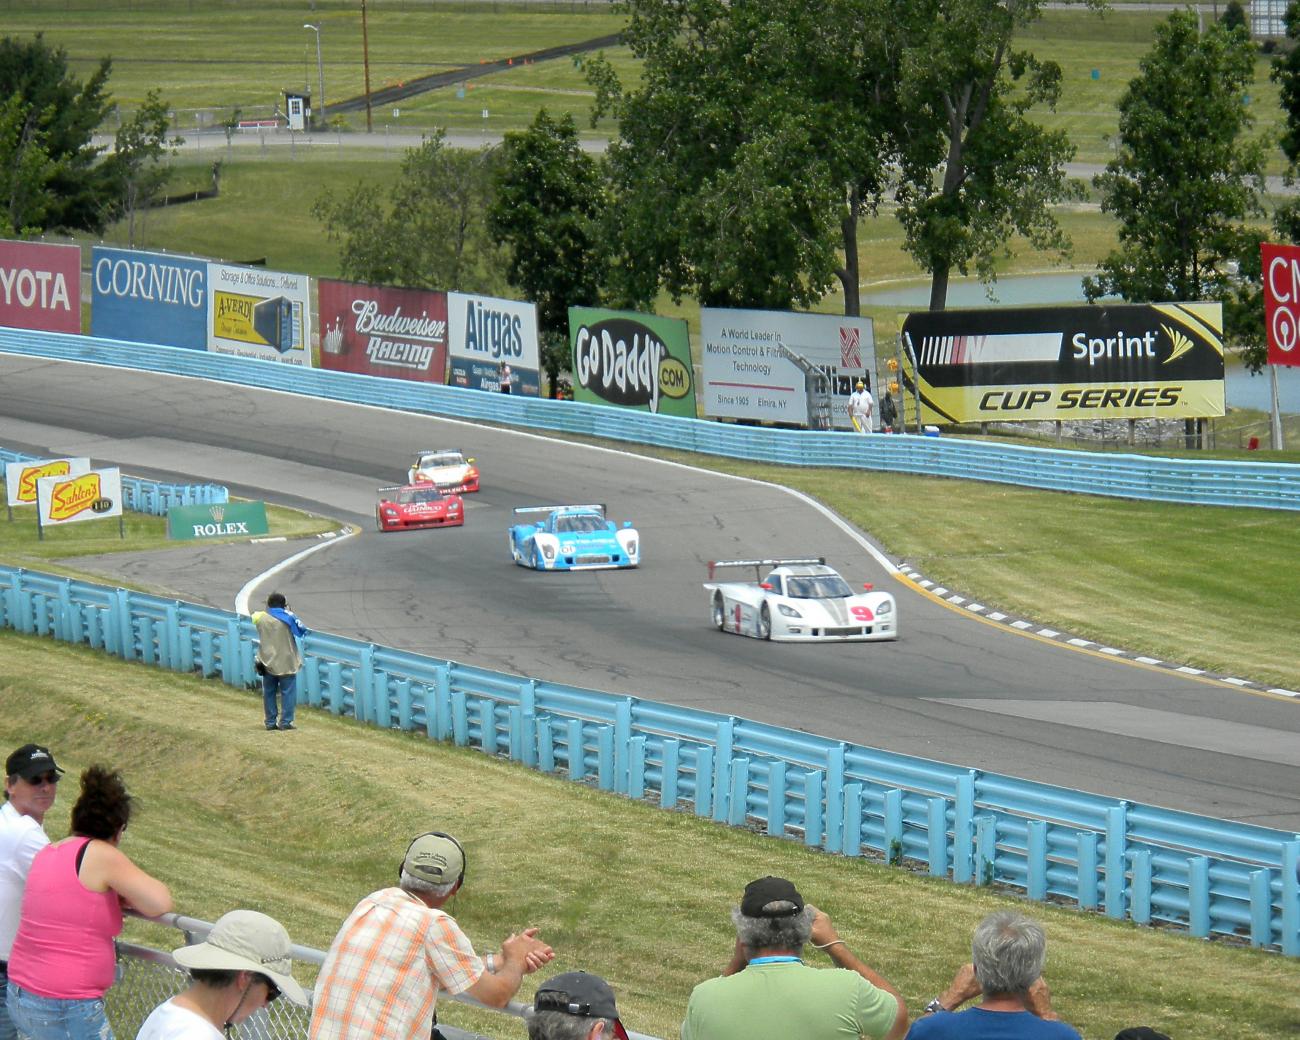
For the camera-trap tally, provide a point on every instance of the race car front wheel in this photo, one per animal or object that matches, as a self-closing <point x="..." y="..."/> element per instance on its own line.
<point x="719" y="613"/>
<point x="764" y="623"/>
<point x="379" y="524"/>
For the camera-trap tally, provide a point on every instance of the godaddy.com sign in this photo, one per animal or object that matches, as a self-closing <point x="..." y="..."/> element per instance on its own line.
<point x="224" y="520"/>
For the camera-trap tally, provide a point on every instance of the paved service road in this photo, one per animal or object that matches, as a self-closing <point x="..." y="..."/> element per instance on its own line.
<point x="953" y="688"/>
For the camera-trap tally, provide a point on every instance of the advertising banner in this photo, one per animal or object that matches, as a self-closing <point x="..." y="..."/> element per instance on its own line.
<point x="259" y="314"/>
<point x="149" y="297"/>
<point x="488" y="336"/>
<point x="633" y="360"/>
<point x="220" y="520"/>
<point x="746" y="374"/>
<point x="40" y="286"/>
<point x="91" y="496"/>
<point x="1281" y="302"/>
<point x="21" y="477"/>
<point x="375" y="330"/>
<point x="1129" y="361"/>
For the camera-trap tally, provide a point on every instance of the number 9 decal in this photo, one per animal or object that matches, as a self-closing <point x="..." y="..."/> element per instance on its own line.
<point x="862" y="613"/>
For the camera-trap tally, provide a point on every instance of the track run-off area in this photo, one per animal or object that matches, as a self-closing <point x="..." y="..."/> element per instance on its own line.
<point x="953" y="688"/>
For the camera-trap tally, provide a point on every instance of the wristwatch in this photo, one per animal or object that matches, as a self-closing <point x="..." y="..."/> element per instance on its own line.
<point x="934" y="1006"/>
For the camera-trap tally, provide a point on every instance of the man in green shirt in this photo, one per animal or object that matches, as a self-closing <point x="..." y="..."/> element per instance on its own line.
<point x="768" y="993"/>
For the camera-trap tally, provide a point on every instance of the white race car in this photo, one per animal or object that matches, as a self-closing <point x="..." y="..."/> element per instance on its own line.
<point x="799" y="601"/>
<point x="448" y="468"/>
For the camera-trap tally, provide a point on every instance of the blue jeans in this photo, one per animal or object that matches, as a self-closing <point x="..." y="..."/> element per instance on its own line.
<point x="7" y="1030"/>
<point x="287" y="687"/>
<point x="48" y="1018"/>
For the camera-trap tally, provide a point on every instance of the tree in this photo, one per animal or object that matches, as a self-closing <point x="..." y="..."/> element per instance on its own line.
<point x="1185" y="177"/>
<point x="136" y="166"/>
<point x="62" y="113"/>
<point x="964" y="97"/>
<point x="1234" y="16"/>
<point x="26" y="171"/>
<point x="431" y="233"/>
<point x="748" y="153"/>
<point x="1243" y="308"/>
<point x="549" y="201"/>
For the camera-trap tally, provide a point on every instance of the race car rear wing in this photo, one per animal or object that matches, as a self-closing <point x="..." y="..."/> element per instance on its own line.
<point x="758" y="565"/>
<point x="436" y="451"/>
<point x="599" y="507"/>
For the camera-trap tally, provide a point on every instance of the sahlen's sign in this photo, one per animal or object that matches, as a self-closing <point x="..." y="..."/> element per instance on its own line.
<point x="220" y="520"/>
<point x="1129" y="361"/>
<point x="631" y="360"/>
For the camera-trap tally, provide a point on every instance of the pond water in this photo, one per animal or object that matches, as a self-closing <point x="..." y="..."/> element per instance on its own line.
<point x="1242" y="390"/>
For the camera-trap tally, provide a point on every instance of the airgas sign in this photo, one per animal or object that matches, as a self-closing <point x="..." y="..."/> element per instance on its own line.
<point x="631" y="360"/>
<point x="220" y="520"/>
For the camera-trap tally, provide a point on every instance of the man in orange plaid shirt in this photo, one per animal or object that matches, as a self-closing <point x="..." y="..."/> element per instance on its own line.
<point x="397" y="951"/>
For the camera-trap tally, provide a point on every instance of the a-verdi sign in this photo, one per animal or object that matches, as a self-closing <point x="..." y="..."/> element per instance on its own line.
<point x="223" y="520"/>
<point x="634" y="360"/>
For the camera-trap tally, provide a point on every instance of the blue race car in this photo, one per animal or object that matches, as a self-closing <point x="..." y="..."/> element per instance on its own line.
<point x="573" y="538"/>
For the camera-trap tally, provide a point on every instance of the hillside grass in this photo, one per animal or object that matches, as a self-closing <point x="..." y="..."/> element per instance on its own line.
<point x="300" y="825"/>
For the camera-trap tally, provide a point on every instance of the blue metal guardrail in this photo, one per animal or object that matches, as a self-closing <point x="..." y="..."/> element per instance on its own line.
<point x="149" y="496"/>
<point x="1265" y="485"/>
<point x="1130" y="860"/>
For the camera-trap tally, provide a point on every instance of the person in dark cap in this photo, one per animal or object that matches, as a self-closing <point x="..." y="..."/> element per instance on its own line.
<point x="398" y="950"/>
<point x="1006" y="971"/>
<point x="31" y="783"/>
<point x="768" y="993"/>
<point x="575" y="1006"/>
<point x="1140" y="1033"/>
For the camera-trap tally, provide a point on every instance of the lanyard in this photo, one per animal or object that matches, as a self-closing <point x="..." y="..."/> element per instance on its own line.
<point x="775" y="960"/>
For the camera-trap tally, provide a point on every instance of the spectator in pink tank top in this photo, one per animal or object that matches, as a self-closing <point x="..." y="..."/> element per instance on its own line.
<point x="63" y="957"/>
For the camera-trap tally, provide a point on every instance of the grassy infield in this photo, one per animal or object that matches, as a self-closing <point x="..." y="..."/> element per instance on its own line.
<point x="650" y="911"/>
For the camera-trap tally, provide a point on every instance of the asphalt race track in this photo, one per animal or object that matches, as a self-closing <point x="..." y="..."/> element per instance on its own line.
<point x="953" y="688"/>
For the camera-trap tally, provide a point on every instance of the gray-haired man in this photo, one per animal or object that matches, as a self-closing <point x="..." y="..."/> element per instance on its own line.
<point x="1007" y="957"/>
<point x="768" y="993"/>
<point x="575" y="1006"/>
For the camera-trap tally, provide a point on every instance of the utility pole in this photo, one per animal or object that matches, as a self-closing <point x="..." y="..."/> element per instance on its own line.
<point x="320" y="72"/>
<point x="365" y="56"/>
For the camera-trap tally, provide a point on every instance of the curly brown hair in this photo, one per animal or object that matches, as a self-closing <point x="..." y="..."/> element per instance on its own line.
<point x="104" y="807"/>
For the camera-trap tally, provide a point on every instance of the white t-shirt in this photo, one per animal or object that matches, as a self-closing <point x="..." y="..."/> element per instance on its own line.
<point x="169" y="1022"/>
<point x="21" y="838"/>
<point x="861" y="402"/>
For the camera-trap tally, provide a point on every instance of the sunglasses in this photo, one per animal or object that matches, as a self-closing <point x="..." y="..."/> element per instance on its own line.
<point x="45" y="778"/>
<point x="555" y="1000"/>
<point x="272" y="990"/>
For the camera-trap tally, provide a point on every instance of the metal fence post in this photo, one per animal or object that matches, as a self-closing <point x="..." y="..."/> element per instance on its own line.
<point x="1291" y="898"/>
<point x="605" y="778"/>
<point x="776" y="796"/>
<point x="402" y="690"/>
<point x="636" y="768"/>
<point x="1198" y="896"/>
<point x="812" y="807"/>
<point x="893" y="825"/>
<point x="937" y="835"/>
<point x="1086" y="878"/>
<point x="1140" y="887"/>
<point x="738" y="792"/>
<point x="963" y="828"/>
<point x="834" y="798"/>
<point x="622" y="738"/>
<point x="577" y="751"/>
<point x="704" y="780"/>
<point x="545" y="745"/>
<point x="851" y="824"/>
<point x="723" y="740"/>
<point x="1261" y="907"/>
<point x="668" y="774"/>
<point x="986" y="838"/>
<point x="1036" y="859"/>
<point x="1116" y="842"/>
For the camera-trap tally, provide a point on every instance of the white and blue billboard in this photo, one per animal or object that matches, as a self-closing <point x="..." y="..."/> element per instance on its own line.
<point x="149" y="297"/>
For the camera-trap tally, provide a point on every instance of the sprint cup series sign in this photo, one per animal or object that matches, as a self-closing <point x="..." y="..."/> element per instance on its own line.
<point x="21" y="477"/>
<point x="89" y="496"/>
<point x="1130" y="361"/>
<point x="631" y="360"/>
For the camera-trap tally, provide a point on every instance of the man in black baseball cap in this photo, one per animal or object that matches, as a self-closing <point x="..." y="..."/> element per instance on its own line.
<point x="575" y="1006"/>
<point x="31" y="783"/>
<point x="768" y="993"/>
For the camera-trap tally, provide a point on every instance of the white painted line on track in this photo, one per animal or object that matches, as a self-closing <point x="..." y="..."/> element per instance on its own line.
<point x="242" y="597"/>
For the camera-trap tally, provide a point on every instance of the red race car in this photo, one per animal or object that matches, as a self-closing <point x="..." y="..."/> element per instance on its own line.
<point x="417" y="505"/>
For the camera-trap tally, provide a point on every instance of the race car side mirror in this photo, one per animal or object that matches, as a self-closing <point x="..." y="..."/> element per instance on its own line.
<point x="627" y="523"/>
<point x="868" y="586"/>
<point x="471" y="461"/>
<point x="765" y="585"/>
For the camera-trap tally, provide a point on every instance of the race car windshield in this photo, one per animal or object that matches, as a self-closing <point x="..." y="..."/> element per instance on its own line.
<point x="445" y="458"/>
<point x="580" y="524"/>
<point x="826" y="586"/>
<point x="413" y="495"/>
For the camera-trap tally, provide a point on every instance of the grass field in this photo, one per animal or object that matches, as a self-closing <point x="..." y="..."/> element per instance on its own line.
<point x="301" y="825"/>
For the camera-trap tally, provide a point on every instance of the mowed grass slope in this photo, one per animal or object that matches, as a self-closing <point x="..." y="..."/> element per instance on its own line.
<point x="301" y="825"/>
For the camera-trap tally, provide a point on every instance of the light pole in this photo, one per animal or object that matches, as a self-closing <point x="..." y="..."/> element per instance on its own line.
<point x="320" y="72"/>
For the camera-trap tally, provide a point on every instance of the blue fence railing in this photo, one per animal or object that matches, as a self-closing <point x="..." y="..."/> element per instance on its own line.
<point x="1127" y="859"/>
<point x="148" y="496"/>
<point x="1264" y="485"/>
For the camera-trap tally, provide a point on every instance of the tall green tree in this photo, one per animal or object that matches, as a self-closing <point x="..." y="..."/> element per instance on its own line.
<point x="976" y="169"/>
<point x="26" y="172"/>
<point x="62" y="113"/>
<point x="550" y="200"/>
<point x="431" y="230"/>
<point x="136" y="166"/>
<point x="1243" y="308"/>
<point x="1186" y="175"/>
<point x="751" y="147"/>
